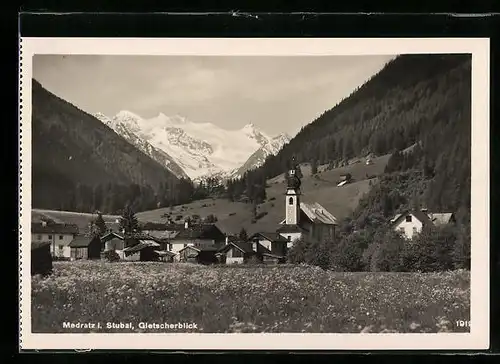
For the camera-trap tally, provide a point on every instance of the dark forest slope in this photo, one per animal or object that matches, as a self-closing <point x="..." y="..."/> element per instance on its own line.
<point x="414" y="98"/>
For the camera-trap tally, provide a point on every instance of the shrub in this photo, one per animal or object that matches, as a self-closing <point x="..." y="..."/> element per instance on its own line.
<point x="111" y="256"/>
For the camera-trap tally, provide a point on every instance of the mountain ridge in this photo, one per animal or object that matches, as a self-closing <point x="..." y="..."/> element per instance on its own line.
<point x="199" y="150"/>
<point x="71" y="148"/>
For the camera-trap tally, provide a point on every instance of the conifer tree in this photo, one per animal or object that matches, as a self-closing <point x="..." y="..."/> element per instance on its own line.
<point x="128" y="221"/>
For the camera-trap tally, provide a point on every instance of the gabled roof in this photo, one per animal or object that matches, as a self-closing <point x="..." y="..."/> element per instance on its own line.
<point x="316" y="214"/>
<point x="200" y="249"/>
<point x="141" y="245"/>
<point x="441" y="218"/>
<point x="81" y="241"/>
<point x="242" y="246"/>
<point x="290" y="229"/>
<point x="273" y="237"/>
<point x="164" y="253"/>
<point x="163" y="234"/>
<point x="111" y="235"/>
<point x="426" y="218"/>
<point x="54" y="228"/>
<point x="179" y="231"/>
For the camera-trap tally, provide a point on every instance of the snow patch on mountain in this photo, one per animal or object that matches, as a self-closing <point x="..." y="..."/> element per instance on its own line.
<point x="200" y="149"/>
<point x="125" y="124"/>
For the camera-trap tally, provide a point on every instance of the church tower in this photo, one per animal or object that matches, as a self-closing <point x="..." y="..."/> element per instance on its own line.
<point x="292" y="196"/>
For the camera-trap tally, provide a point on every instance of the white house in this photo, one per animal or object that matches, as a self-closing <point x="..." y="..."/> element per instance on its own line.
<point x="58" y="235"/>
<point x="303" y="220"/>
<point x="176" y="237"/>
<point x="411" y="222"/>
<point x="269" y="243"/>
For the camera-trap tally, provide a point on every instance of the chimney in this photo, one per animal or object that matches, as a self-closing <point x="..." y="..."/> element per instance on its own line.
<point x="227" y="239"/>
<point x="44" y="223"/>
<point x="424" y="209"/>
<point x="186" y="224"/>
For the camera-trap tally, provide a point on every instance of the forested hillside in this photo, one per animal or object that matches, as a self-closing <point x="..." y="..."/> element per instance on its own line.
<point x="417" y="101"/>
<point x="79" y="164"/>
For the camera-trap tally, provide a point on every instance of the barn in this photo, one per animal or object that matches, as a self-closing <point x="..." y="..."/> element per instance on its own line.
<point x="85" y="247"/>
<point x="41" y="258"/>
<point x="203" y="255"/>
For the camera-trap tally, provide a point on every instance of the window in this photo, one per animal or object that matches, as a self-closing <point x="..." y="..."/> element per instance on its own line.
<point x="290" y="201"/>
<point x="408" y="218"/>
<point x="61" y="237"/>
<point x="289" y="238"/>
<point x="50" y="237"/>
<point x="38" y="237"/>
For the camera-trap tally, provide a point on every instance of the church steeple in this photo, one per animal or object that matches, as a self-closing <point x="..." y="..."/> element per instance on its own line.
<point x="292" y="195"/>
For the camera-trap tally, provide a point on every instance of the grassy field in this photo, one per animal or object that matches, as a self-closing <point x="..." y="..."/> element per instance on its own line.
<point x="322" y="188"/>
<point x="247" y="299"/>
<point x="232" y="216"/>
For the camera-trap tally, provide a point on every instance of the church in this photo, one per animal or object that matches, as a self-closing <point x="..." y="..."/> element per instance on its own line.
<point x="309" y="221"/>
<point x="304" y="220"/>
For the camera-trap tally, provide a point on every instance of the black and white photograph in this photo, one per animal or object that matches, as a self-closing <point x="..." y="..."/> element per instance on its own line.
<point x="231" y="192"/>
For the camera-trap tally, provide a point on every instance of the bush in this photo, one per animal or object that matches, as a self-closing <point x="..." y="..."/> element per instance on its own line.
<point x="111" y="256"/>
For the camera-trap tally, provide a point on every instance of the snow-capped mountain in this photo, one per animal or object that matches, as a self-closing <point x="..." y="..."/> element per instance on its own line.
<point x="270" y="147"/>
<point x="126" y="129"/>
<point x="199" y="149"/>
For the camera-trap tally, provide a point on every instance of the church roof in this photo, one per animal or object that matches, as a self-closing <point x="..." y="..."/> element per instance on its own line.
<point x="317" y="214"/>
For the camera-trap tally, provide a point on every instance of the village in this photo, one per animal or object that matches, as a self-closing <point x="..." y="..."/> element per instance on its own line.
<point x="204" y="242"/>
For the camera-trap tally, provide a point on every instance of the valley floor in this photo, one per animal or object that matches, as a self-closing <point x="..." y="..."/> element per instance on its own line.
<point x="247" y="299"/>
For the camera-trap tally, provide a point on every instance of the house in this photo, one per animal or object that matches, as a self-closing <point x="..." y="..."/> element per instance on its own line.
<point x="113" y="241"/>
<point x="203" y="255"/>
<point x="85" y="247"/>
<point x="165" y="256"/>
<point x="269" y="243"/>
<point x="144" y="251"/>
<point x="140" y="247"/>
<point x="41" y="258"/>
<point x="59" y="235"/>
<point x="237" y="252"/>
<point x="175" y="237"/>
<point x="411" y="222"/>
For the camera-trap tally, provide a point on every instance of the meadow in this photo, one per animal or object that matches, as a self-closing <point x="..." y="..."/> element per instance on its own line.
<point x="226" y="299"/>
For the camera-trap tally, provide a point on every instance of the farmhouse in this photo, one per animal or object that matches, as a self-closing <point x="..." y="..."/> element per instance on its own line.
<point x="85" y="247"/>
<point x="236" y="251"/>
<point x="176" y="237"/>
<point x="142" y="248"/>
<point x="59" y="235"/>
<point x="113" y="241"/>
<point x="303" y="220"/>
<point x="269" y="243"/>
<point x="201" y="254"/>
<point x="41" y="258"/>
<point x="411" y="222"/>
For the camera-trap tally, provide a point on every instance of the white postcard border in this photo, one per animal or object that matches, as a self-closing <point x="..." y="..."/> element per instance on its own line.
<point x="478" y="338"/>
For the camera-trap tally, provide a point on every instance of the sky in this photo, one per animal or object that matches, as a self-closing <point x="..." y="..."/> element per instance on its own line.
<point x="276" y="94"/>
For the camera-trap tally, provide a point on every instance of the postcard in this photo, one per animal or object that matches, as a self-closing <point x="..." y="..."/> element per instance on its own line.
<point x="254" y="194"/>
